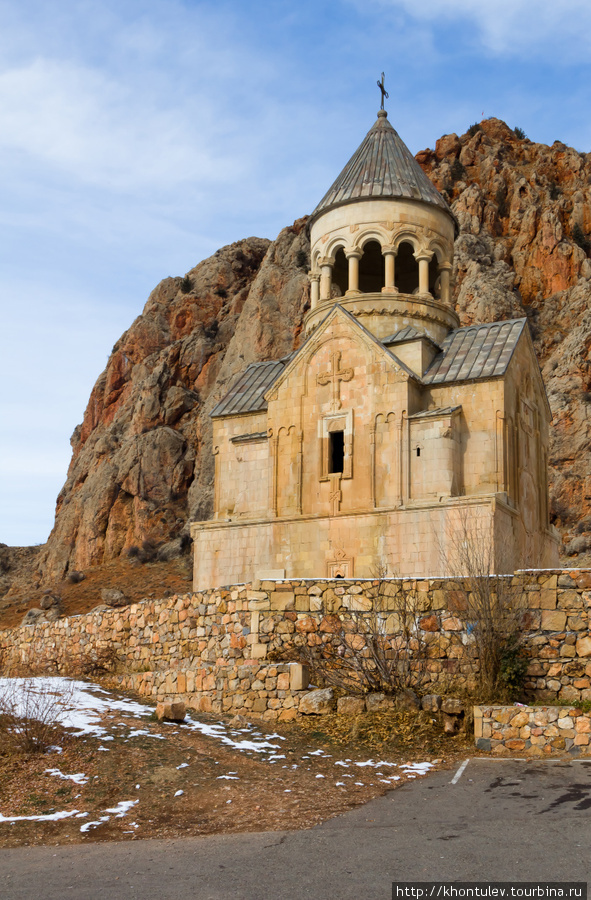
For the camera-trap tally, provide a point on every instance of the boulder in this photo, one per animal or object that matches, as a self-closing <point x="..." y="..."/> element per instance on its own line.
<point x="350" y="706"/>
<point x="431" y="703"/>
<point x="408" y="699"/>
<point x="173" y="710"/>
<point x="378" y="700"/>
<point x="113" y="597"/>
<point x="32" y="616"/>
<point x="318" y="703"/>
<point x="50" y="600"/>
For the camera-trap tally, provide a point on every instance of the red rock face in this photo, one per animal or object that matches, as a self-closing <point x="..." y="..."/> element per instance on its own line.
<point x="142" y="464"/>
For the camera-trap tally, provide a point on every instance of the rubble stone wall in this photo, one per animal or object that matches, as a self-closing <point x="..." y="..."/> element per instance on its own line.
<point x="534" y="731"/>
<point x="222" y="650"/>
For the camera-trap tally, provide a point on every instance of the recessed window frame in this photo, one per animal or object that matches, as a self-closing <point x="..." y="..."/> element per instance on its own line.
<point x="342" y="421"/>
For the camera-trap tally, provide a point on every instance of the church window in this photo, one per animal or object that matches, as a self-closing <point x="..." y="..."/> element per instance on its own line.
<point x="418" y="451"/>
<point x="336" y="445"/>
<point x="433" y="276"/>
<point x="371" y="269"/>
<point x="340" y="274"/>
<point x="407" y="269"/>
<point x="336" y="452"/>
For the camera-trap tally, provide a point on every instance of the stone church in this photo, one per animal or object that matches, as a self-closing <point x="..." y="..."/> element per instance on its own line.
<point x="391" y="431"/>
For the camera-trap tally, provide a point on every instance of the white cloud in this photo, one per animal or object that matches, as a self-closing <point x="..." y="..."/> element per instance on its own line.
<point x="512" y="27"/>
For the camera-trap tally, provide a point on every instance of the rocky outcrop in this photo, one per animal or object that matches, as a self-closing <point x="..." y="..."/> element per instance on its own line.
<point x="525" y="215"/>
<point x="142" y="464"/>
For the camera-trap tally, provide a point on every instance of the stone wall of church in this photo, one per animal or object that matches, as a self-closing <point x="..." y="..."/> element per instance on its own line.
<point x="407" y="541"/>
<point x="225" y="650"/>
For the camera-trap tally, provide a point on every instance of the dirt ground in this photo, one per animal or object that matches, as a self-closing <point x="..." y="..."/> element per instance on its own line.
<point x="136" y="580"/>
<point x="182" y="782"/>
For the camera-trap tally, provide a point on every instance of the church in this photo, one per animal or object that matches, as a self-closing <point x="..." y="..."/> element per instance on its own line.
<point x="392" y="434"/>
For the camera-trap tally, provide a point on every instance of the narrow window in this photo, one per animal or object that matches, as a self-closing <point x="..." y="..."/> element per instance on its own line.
<point x="418" y="451"/>
<point x="336" y="451"/>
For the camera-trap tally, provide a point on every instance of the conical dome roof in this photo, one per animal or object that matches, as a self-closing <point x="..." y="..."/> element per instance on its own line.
<point x="382" y="166"/>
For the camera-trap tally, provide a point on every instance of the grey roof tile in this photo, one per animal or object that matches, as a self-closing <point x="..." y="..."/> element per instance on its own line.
<point x="478" y="351"/>
<point x="247" y="393"/>
<point x="382" y="166"/>
<point x="432" y="413"/>
<point x="405" y="334"/>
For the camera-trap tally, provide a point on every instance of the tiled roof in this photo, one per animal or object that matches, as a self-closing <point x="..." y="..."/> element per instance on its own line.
<point x="247" y="393"/>
<point x="382" y="166"/>
<point x="405" y="334"/>
<point x="479" y="351"/>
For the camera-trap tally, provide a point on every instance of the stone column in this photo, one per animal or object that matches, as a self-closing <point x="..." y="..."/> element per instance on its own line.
<point x="389" y="254"/>
<point x="353" y="256"/>
<point x="424" y="258"/>
<point x="445" y="275"/>
<point x="326" y="264"/>
<point x="314" y="289"/>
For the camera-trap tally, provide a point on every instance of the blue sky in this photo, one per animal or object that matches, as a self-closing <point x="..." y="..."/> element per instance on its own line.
<point x="138" y="136"/>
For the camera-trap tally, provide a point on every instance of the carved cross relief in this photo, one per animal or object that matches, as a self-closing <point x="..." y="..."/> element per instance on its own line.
<point x="335" y="376"/>
<point x="336" y="495"/>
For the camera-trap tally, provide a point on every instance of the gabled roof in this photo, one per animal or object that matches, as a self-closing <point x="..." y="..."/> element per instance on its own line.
<point x="247" y="393"/>
<point x="410" y="333"/>
<point x="338" y="310"/>
<point x="382" y="166"/>
<point x="478" y="351"/>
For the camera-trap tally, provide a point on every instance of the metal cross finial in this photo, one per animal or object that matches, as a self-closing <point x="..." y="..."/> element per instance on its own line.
<point x="385" y="93"/>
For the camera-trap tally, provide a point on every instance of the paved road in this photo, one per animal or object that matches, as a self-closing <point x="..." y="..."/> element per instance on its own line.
<point x="502" y="820"/>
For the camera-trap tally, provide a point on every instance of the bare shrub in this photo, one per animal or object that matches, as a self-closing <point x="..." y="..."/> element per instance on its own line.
<point x="376" y="647"/>
<point x="75" y="577"/>
<point x="30" y="711"/>
<point x="97" y="662"/>
<point x="493" y="611"/>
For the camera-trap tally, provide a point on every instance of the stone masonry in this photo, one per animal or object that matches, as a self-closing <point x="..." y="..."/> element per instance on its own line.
<point x="535" y="731"/>
<point x="222" y="650"/>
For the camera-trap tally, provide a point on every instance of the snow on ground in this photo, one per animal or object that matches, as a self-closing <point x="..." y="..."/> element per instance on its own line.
<point x="86" y="709"/>
<point x="79" y="778"/>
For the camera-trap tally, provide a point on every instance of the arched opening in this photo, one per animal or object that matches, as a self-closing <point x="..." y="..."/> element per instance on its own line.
<point x="340" y="274"/>
<point x="407" y="269"/>
<point x="371" y="269"/>
<point x="434" y="281"/>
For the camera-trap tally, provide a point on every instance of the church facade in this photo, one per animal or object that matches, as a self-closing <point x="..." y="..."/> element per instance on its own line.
<point x="391" y="435"/>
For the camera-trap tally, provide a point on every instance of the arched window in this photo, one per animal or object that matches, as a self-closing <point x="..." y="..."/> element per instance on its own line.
<point x="434" y="285"/>
<point x="340" y="274"/>
<point x="371" y="269"/>
<point x="407" y="269"/>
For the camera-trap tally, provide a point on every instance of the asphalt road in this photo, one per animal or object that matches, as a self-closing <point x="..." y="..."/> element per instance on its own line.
<point x="501" y="820"/>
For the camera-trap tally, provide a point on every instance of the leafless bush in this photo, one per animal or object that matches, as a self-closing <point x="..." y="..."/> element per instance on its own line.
<point x="376" y="646"/>
<point x="75" y="577"/>
<point x="30" y="710"/>
<point x="492" y="599"/>
<point x="102" y="661"/>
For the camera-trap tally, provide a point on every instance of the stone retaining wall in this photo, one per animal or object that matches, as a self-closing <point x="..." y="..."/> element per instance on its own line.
<point x="222" y="649"/>
<point x="532" y="730"/>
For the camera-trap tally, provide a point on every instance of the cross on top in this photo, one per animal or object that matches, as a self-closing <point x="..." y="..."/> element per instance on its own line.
<point x="335" y="376"/>
<point x="385" y="93"/>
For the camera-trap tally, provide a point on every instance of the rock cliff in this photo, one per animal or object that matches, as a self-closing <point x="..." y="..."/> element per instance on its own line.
<point x="142" y="466"/>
